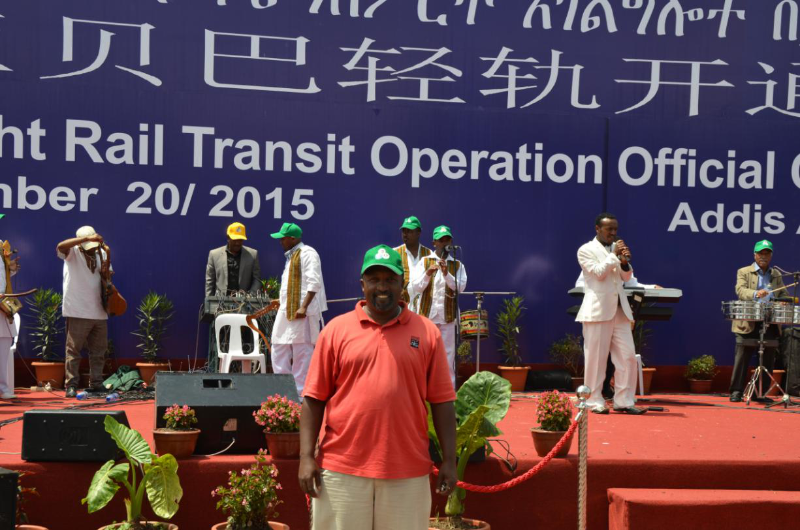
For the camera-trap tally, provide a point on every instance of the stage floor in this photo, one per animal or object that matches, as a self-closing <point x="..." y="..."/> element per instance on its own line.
<point x="701" y="442"/>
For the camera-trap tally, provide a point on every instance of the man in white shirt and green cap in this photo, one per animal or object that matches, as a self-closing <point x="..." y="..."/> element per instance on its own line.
<point x="411" y="252"/>
<point x="435" y="281"/>
<point x="302" y="298"/>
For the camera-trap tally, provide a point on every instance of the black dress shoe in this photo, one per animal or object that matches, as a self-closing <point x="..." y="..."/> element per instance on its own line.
<point x="764" y="399"/>
<point x="599" y="410"/>
<point x="736" y="396"/>
<point x="630" y="410"/>
<point x="71" y="392"/>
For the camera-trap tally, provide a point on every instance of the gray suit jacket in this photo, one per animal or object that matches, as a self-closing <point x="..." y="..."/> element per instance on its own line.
<point x="217" y="271"/>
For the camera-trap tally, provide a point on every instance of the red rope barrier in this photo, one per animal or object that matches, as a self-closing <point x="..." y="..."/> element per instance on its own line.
<point x="525" y="476"/>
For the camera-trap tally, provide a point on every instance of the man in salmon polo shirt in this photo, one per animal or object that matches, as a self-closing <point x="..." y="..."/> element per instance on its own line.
<point x="372" y="371"/>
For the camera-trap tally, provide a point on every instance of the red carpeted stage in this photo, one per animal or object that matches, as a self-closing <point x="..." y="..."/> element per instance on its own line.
<point x="702" y="443"/>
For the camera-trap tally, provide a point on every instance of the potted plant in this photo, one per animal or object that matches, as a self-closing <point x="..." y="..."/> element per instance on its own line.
<point x="568" y="351"/>
<point x="22" y="517"/>
<point x="179" y="437"/>
<point x="45" y="329"/>
<point x="481" y="402"/>
<point x="159" y="479"/>
<point x="508" y="329"/>
<point x="554" y="413"/>
<point x="154" y="313"/>
<point x="463" y="356"/>
<point x="250" y="498"/>
<point x="272" y="286"/>
<point x="700" y="371"/>
<point x="280" y="418"/>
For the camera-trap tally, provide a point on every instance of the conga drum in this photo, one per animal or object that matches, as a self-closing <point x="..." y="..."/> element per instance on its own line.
<point x="474" y="326"/>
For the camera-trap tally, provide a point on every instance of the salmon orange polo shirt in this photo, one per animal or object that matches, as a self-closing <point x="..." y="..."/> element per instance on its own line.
<point x="375" y="380"/>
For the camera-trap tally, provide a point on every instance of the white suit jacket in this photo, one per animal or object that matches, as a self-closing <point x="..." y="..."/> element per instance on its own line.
<point x="604" y="289"/>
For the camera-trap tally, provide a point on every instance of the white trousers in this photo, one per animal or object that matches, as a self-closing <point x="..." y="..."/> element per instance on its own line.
<point x="449" y="337"/>
<point x="600" y="338"/>
<point x="347" y="502"/>
<point x="293" y="359"/>
<point x="6" y="367"/>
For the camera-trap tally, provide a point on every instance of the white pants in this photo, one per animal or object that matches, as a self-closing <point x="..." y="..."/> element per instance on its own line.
<point x="293" y="359"/>
<point x="6" y="365"/>
<point x="600" y="338"/>
<point x="347" y="502"/>
<point x="449" y="337"/>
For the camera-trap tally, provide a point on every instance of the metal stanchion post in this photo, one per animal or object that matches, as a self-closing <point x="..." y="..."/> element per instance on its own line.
<point x="582" y="418"/>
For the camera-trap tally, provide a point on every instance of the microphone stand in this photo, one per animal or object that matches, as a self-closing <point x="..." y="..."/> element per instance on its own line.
<point x="786" y="400"/>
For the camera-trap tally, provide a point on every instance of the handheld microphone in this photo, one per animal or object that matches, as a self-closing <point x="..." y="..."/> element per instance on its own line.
<point x="614" y="246"/>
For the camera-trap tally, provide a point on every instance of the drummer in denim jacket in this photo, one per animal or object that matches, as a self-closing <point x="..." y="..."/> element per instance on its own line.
<point x="754" y="283"/>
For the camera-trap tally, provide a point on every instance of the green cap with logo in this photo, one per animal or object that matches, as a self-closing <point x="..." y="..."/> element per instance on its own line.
<point x="2" y="215"/>
<point x="383" y="256"/>
<point x="441" y="231"/>
<point x="763" y="245"/>
<point x="412" y="223"/>
<point x="288" y="230"/>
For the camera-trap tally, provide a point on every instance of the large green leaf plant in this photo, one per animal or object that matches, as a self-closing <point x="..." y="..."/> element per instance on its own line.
<point x="481" y="402"/>
<point x="159" y="478"/>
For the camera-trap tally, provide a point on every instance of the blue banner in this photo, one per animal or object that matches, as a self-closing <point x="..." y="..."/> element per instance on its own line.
<point x="160" y="122"/>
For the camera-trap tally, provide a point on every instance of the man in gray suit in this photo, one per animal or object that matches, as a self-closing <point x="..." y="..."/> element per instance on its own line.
<point x="233" y="267"/>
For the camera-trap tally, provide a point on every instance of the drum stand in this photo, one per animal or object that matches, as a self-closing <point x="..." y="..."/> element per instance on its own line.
<point x="479" y="298"/>
<point x="751" y="385"/>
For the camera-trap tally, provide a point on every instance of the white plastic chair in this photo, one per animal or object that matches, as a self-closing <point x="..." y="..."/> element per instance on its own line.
<point x="235" y="352"/>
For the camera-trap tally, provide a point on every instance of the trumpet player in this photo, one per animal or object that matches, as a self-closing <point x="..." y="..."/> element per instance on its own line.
<point x="606" y="317"/>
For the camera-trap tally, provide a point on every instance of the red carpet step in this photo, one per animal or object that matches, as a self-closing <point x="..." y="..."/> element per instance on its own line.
<point x="667" y="509"/>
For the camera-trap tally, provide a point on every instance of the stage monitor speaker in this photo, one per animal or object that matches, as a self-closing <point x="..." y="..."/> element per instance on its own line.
<point x="224" y="405"/>
<point x="69" y="435"/>
<point x="8" y="498"/>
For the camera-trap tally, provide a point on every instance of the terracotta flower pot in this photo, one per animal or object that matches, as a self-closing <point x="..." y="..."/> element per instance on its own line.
<point x="272" y="524"/>
<point x="147" y="371"/>
<point x="29" y="527"/>
<point x="544" y="441"/>
<point x="516" y="375"/>
<point x="167" y="526"/>
<point x="481" y="525"/>
<point x="284" y="444"/>
<point x="778" y="375"/>
<point x="179" y="444"/>
<point x="576" y="382"/>
<point x="700" y="386"/>
<point x="647" y="379"/>
<point x="49" y="372"/>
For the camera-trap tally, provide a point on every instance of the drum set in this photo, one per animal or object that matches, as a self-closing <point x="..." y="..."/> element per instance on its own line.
<point x="765" y="313"/>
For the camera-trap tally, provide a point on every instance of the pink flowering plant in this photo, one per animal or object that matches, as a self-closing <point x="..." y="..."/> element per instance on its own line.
<point x="278" y="414"/>
<point x="180" y="418"/>
<point x="251" y="497"/>
<point x="554" y="411"/>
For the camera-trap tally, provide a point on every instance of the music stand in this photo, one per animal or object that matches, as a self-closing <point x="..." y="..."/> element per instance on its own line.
<point x="479" y="298"/>
<point x="786" y="400"/>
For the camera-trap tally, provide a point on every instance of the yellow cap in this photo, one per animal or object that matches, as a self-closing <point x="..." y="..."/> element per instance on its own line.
<point x="236" y="231"/>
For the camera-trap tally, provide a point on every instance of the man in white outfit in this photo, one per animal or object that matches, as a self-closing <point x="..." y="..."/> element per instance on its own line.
<point x="299" y="319"/>
<point x="435" y="281"/>
<point x="606" y="317"/>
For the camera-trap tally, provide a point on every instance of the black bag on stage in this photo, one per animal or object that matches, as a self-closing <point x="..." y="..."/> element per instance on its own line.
<point x="790" y="353"/>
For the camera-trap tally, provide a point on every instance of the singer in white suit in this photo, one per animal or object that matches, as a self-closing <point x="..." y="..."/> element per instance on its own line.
<point x="606" y="317"/>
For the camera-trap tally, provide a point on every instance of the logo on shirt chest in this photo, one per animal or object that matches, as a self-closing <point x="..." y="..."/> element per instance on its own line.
<point x="415" y="342"/>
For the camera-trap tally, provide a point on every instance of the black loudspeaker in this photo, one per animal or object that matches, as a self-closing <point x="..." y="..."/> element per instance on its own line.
<point x="224" y="405"/>
<point x="8" y="498"/>
<point x="69" y="435"/>
<point x="790" y="352"/>
<point x="558" y="379"/>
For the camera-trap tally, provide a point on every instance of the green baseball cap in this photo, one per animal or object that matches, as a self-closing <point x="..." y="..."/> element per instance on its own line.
<point x="3" y="215"/>
<point x="441" y="231"/>
<point x="288" y="230"/>
<point x="383" y="256"/>
<point x="763" y="245"/>
<point x="412" y="223"/>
